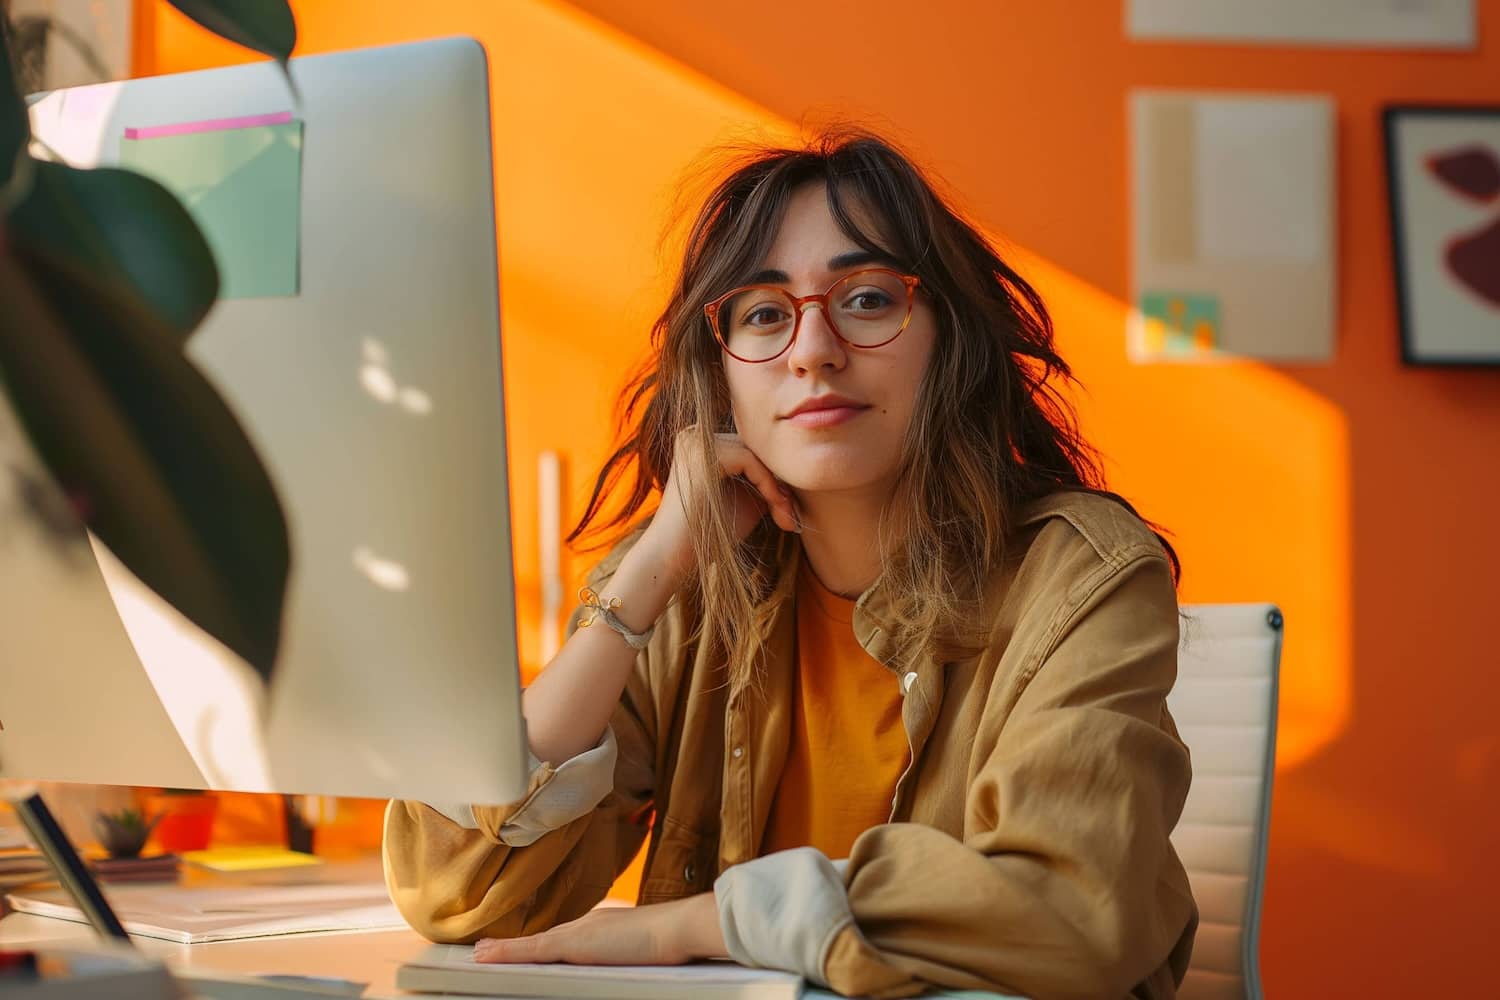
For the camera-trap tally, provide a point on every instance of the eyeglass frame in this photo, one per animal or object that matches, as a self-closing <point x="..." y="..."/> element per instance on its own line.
<point x="799" y="307"/>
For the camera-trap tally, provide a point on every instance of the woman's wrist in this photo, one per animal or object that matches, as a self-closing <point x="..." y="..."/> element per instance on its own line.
<point x="645" y="582"/>
<point x="704" y="935"/>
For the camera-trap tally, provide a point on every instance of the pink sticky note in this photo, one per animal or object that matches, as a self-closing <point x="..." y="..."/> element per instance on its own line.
<point x="211" y="125"/>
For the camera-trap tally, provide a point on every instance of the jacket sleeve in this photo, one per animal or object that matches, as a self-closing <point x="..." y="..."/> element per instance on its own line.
<point x="1064" y="883"/>
<point x="459" y="873"/>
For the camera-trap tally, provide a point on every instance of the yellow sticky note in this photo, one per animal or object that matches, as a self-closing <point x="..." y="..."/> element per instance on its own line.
<point x="242" y="859"/>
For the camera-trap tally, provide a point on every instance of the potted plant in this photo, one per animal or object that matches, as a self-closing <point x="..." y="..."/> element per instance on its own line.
<point x="104" y="276"/>
<point x="123" y="834"/>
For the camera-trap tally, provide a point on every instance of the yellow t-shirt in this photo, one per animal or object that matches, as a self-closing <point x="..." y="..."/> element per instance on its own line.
<point x="847" y="745"/>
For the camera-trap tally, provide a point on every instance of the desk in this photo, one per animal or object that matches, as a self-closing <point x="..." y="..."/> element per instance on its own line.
<point x="361" y="956"/>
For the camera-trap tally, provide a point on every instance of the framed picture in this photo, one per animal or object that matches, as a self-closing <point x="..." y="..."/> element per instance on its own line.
<point x="1443" y="171"/>
<point x="69" y="43"/>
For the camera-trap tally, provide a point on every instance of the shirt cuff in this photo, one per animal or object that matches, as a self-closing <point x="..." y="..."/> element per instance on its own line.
<point x="783" y="911"/>
<point x="564" y="794"/>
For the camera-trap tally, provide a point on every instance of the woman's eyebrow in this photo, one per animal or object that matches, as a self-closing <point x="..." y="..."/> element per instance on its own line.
<point x="854" y="258"/>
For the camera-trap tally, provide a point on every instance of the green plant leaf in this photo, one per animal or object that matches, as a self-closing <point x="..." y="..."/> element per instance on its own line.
<point x="15" y="125"/>
<point x="125" y="229"/>
<point x="147" y="452"/>
<point x="266" y="26"/>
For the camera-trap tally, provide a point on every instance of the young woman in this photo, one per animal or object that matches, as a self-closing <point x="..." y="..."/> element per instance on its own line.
<point x="883" y="675"/>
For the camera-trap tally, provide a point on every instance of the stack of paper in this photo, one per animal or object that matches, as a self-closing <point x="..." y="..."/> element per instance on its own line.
<point x="23" y="867"/>
<point x="198" y="914"/>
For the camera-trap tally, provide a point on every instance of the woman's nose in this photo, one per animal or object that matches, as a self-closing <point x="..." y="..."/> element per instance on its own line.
<point x="816" y="345"/>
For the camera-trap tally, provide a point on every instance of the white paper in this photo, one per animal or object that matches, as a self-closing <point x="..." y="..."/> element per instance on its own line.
<point x="1254" y="164"/>
<point x="72" y="124"/>
<point x="198" y="914"/>
<point x="1233" y="216"/>
<point x="1385" y="23"/>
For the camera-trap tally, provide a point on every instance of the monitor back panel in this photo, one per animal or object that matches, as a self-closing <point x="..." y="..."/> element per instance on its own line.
<point x="374" y="397"/>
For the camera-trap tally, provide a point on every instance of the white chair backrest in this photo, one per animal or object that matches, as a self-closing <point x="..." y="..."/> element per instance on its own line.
<point x="1224" y="704"/>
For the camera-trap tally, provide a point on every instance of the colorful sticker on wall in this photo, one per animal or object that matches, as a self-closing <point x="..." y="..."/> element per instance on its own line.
<point x="241" y="180"/>
<point x="1178" y="325"/>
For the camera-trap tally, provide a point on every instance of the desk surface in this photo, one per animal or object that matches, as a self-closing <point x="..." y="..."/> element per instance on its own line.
<point x="362" y="956"/>
<point x="370" y="957"/>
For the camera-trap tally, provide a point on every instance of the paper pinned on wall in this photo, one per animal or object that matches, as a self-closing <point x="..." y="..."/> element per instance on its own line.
<point x="241" y="180"/>
<point x="1440" y="24"/>
<point x="1232" y="227"/>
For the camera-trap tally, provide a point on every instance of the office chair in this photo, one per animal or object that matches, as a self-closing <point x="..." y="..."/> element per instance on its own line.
<point x="1224" y="704"/>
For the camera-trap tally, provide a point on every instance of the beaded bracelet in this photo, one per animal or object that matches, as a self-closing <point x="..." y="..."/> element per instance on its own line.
<point x="606" y="612"/>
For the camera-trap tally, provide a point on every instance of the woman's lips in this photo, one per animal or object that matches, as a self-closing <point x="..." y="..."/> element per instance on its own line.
<point x="829" y="417"/>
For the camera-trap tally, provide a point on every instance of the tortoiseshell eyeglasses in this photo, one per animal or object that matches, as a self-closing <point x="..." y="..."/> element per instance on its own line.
<point x="865" y="309"/>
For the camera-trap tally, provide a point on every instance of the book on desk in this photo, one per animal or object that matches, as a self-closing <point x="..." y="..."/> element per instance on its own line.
<point x="452" y="969"/>
<point x="201" y="914"/>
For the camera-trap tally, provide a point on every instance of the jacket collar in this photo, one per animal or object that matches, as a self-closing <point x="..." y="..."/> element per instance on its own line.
<point x="876" y="624"/>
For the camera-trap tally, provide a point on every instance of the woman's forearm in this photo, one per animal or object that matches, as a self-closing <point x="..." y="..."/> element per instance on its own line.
<point x="570" y="702"/>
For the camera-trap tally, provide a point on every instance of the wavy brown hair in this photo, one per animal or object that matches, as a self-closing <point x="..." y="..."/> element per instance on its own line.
<point x="991" y="430"/>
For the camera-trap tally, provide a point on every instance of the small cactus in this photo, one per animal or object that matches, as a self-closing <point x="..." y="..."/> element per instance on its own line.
<point x="124" y="833"/>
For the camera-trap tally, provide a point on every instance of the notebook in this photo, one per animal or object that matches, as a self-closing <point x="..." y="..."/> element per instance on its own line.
<point x="452" y="969"/>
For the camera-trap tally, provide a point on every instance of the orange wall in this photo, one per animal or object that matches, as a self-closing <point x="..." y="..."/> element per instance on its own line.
<point x="1354" y="494"/>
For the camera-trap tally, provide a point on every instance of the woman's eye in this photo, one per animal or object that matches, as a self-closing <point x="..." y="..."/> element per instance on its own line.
<point x="868" y="300"/>
<point x="763" y="316"/>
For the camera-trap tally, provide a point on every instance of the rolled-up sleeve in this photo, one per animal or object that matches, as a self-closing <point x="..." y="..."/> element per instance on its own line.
<point x="555" y="797"/>
<point x="461" y="872"/>
<point x="783" y="910"/>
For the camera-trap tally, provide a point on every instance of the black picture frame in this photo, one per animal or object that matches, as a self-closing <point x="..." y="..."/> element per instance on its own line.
<point x="1417" y="346"/>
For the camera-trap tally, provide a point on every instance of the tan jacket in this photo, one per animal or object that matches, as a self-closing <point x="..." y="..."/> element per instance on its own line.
<point x="1027" y="847"/>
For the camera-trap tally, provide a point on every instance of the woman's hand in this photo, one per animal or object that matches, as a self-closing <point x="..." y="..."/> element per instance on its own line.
<point x="745" y="483"/>
<point x="659" y="934"/>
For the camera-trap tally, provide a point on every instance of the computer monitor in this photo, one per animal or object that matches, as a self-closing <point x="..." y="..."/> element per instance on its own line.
<point x="374" y="397"/>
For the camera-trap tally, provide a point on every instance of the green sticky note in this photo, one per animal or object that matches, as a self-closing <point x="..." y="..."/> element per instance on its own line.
<point x="1180" y="323"/>
<point x="243" y="186"/>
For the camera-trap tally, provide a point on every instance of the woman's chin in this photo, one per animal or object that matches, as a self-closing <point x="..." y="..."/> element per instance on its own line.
<point x="828" y="479"/>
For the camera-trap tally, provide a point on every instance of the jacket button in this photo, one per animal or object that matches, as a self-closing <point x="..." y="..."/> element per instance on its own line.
<point x="908" y="681"/>
<point x="690" y="874"/>
<point x="738" y="752"/>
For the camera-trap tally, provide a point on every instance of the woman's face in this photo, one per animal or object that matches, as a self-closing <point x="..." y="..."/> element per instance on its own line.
<point x="854" y="444"/>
